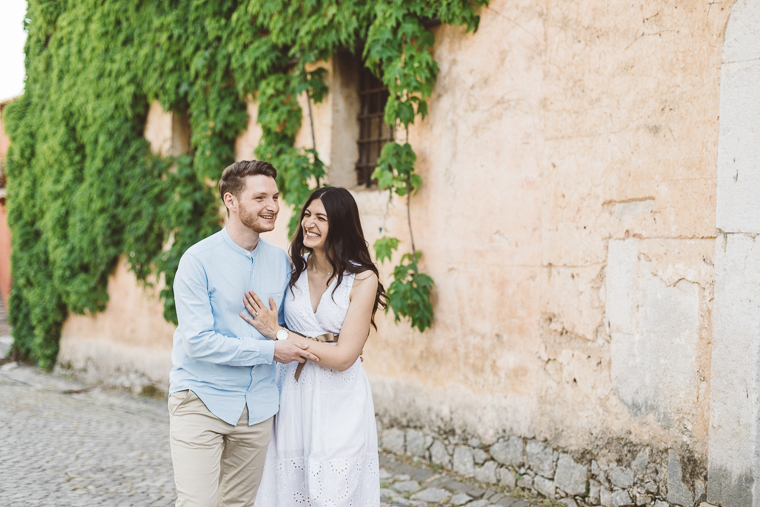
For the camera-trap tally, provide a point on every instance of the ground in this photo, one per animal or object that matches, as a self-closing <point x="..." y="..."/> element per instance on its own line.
<point x="64" y="443"/>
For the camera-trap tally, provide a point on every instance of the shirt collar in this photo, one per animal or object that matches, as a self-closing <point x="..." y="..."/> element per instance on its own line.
<point x="239" y="249"/>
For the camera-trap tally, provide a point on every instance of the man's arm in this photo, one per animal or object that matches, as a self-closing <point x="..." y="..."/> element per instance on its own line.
<point x="196" y="323"/>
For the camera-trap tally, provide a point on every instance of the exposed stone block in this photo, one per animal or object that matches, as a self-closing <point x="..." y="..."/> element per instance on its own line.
<point x="487" y="472"/>
<point x="571" y="477"/>
<point x="605" y="497"/>
<point x="480" y="456"/>
<point x="569" y="502"/>
<point x="651" y="323"/>
<point x="621" y="499"/>
<point x="415" y="442"/>
<point x="594" y="489"/>
<point x="439" y="455"/>
<point x="621" y="477"/>
<point x="540" y="458"/>
<point x="544" y="486"/>
<point x="732" y="456"/>
<point x="678" y="493"/>
<point x="393" y="440"/>
<point x="463" y="462"/>
<point x="507" y="478"/>
<point x="639" y="465"/>
<point x="650" y="486"/>
<point x="509" y="452"/>
<point x="525" y="481"/>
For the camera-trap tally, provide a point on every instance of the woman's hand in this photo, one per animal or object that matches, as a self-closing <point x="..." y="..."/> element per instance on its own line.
<point x="262" y="318"/>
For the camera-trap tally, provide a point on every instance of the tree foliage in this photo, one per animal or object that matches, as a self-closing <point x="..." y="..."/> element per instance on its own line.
<point x="83" y="186"/>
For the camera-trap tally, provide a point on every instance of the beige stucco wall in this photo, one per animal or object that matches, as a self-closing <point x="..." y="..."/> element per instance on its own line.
<point x="568" y="219"/>
<point x="567" y="216"/>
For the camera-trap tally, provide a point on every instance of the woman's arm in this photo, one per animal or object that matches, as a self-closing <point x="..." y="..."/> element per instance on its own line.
<point x="353" y="334"/>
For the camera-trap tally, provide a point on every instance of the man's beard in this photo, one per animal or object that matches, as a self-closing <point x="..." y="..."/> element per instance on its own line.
<point x="251" y="221"/>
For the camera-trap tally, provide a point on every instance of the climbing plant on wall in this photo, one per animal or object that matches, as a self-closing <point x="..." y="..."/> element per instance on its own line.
<point x="83" y="187"/>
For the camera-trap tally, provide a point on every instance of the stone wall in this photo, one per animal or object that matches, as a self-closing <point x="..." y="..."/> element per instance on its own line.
<point x="620" y="475"/>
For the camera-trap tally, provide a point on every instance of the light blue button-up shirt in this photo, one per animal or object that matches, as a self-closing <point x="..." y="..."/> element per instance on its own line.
<point x="225" y="361"/>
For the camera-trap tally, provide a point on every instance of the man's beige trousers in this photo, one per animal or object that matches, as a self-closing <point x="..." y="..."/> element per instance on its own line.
<point x="212" y="458"/>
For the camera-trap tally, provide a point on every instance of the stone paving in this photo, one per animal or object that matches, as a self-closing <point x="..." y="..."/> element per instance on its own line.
<point x="407" y="485"/>
<point x="64" y="443"/>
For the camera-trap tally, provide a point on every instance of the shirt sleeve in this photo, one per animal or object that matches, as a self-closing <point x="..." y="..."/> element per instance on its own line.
<point x="196" y="323"/>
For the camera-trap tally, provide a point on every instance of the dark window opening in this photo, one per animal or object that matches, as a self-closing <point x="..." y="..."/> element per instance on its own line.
<point x="373" y="131"/>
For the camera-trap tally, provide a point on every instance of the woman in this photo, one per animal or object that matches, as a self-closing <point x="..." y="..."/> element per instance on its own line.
<point x="323" y="450"/>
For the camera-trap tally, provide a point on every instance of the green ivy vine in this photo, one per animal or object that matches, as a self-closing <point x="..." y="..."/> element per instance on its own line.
<point x="83" y="187"/>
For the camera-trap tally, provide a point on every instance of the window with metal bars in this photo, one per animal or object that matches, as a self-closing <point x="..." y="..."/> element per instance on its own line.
<point x="373" y="131"/>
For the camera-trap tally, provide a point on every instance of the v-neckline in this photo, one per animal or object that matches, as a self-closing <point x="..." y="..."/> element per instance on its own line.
<point x="308" y="292"/>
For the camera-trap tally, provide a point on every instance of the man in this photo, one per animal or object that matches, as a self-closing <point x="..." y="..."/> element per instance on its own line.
<point x="222" y="393"/>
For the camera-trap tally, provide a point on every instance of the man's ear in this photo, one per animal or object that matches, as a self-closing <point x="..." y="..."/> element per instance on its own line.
<point x="230" y="202"/>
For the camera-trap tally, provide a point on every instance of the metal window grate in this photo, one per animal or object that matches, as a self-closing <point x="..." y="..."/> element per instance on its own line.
<point x="373" y="131"/>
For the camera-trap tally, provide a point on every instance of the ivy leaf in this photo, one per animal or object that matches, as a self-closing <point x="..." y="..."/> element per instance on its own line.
<point x="409" y="294"/>
<point x="384" y="248"/>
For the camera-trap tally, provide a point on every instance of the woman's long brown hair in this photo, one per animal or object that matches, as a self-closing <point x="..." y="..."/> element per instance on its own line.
<point x="345" y="247"/>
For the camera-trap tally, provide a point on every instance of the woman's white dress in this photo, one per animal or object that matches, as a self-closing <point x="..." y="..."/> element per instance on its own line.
<point x="323" y="451"/>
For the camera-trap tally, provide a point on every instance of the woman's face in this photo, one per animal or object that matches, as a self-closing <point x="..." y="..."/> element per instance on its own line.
<point x="314" y="225"/>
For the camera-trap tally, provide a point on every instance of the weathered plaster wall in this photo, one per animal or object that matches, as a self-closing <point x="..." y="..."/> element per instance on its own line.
<point x="568" y="218"/>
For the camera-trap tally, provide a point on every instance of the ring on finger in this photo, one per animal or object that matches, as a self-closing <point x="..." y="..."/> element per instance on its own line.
<point x="256" y="314"/>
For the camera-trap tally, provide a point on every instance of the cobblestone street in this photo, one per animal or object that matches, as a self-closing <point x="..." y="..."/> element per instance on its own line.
<point x="63" y="443"/>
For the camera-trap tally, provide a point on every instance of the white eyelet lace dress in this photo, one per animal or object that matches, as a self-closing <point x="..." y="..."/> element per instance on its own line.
<point x="323" y="451"/>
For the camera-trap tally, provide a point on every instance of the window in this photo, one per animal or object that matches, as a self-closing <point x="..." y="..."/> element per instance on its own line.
<point x="373" y="131"/>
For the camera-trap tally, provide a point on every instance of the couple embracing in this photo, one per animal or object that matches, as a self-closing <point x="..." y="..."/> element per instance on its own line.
<point x="243" y="305"/>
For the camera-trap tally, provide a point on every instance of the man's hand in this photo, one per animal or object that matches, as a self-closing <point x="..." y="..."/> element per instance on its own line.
<point x="286" y="351"/>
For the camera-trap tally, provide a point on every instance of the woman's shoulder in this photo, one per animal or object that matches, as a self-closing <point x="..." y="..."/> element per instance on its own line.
<point x="364" y="274"/>
<point x="366" y="277"/>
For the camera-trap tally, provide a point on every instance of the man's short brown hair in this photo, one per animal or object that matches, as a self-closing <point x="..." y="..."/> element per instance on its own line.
<point x="233" y="176"/>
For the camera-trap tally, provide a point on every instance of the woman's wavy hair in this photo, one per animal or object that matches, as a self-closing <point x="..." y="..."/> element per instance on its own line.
<point x="345" y="246"/>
